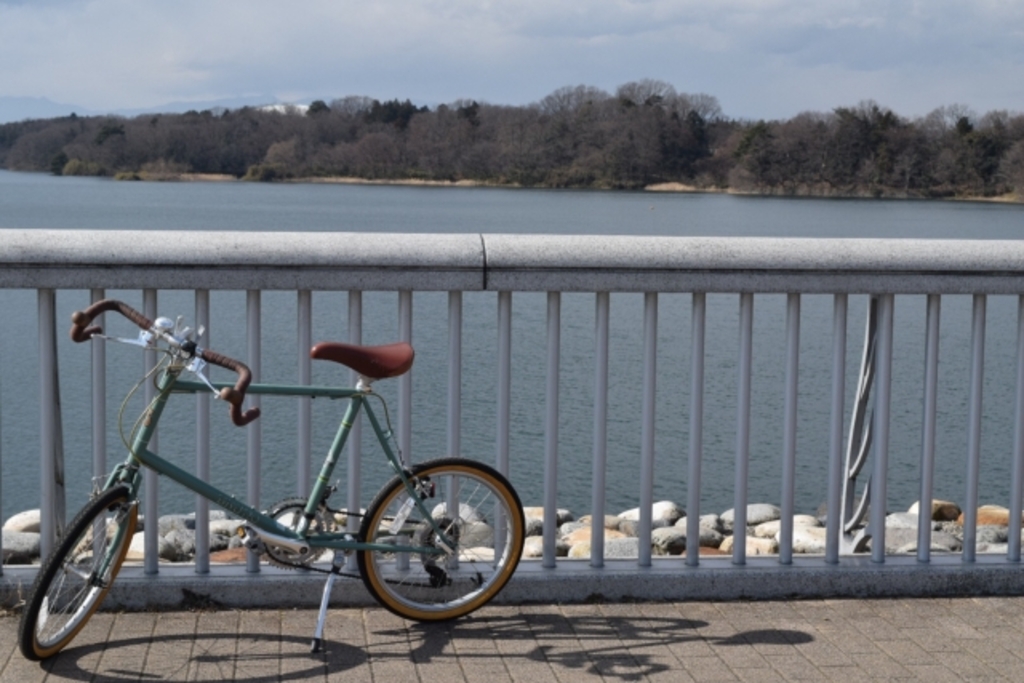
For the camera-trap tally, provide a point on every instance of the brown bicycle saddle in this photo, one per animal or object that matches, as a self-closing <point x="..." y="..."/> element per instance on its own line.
<point x="372" y="362"/>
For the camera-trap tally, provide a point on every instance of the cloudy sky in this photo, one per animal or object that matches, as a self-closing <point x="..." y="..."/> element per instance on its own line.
<point x="760" y="58"/>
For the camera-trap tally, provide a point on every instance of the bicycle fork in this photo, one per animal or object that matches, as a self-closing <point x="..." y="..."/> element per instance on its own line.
<point x="318" y="635"/>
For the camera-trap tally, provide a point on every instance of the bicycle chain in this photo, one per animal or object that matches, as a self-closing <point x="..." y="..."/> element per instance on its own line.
<point x="343" y="575"/>
<point x="433" y="583"/>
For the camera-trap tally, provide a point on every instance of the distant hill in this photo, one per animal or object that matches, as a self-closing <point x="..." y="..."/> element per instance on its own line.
<point x="21" y="108"/>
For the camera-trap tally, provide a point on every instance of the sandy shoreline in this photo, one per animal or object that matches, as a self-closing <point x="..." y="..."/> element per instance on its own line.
<point x="350" y="180"/>
<point x="668" y="187"/>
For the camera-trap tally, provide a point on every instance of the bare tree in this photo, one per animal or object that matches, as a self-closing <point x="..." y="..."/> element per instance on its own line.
<point x="646" y="92"/>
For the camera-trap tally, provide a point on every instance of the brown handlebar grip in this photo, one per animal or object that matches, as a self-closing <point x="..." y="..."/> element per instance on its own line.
<point x="234" y="396"/>
<point x="81" y="330"/>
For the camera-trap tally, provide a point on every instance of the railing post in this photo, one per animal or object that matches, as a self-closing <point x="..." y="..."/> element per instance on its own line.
<point x="974" y="427"/>
<point x="834" y="520"/>
<point x="931" y="392"/>
<point x="739" y="550"/>
<point x="454" y="373"/>
<point x="883" y="395"/>
<point x="789" y="428"/>
<point x="50" y="447"/>
<point x="151" y="481"/>
<point x="551" y="429"/>
<point x="698" y="317"/>
<point x="304" y="448"/>
<point x="600" y="457"/>
<point x="355" y="441"/>
<point x="254" y="430"/>
<point x="99" y="399"/>
<point x="405" y="381"/>
<point x="504" y="397"/>
<point x="405" y="402"/>
<point x="202" y="303"/>
<point x="647" y="427"/>
<point x="1" y="462"/>
<point x="1017" y="456"/>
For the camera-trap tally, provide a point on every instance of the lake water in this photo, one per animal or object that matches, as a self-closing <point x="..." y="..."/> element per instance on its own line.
<point x="175" y="209"/>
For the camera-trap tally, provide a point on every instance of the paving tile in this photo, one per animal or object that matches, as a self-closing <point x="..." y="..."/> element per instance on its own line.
<point x="476" y="671"/>
<point x="934" y="673"/>
<point x="876" y="627"/>
<point x="824" y="654"/>
<point x="742" y="656"/>
<point x="524" y="672"/>
<point x="24" y="671"/>
<point x="709" y="669"/>
<point x="437" y="672"/>
<point x="853" y="642"/>
<point x="127" y="644"/>
<point x="881" y="665"/>
<point x="170" y="652"/>
<point x="794" y="668"/>
<point x="84" y="653"/>
<point x="395" y="669"/>
<point x="675" y="675"/>
<point x="964" y="664"/>
<point x="995" y="650"/>
<point x="759" y="675"/>
<point x="215" y="647"/>
<point x="906" y="651"/>
<point x="685" y="647"/>
<point x="13" y="667"/>
<point x="931" y="639"/>
<point x="851" y="673"/>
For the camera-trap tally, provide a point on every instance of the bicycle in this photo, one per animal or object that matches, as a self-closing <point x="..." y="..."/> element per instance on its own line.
<point x="438" y="541"/>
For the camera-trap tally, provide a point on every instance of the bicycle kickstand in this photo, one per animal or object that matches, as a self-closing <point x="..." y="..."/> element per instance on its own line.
<point x="318" y="635"/>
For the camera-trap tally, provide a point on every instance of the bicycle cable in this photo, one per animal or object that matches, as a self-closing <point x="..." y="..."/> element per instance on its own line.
<point x="387" y="421"/>
<point x="127" y="441"/>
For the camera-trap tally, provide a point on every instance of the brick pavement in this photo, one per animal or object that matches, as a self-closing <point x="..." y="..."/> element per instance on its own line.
<point x="948" y="639"/>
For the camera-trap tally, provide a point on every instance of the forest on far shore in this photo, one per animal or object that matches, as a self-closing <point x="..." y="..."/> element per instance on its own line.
<point x="645" y="133"/>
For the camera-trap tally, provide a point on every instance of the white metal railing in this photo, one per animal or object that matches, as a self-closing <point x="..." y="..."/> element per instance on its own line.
<point x="48" y="261"/>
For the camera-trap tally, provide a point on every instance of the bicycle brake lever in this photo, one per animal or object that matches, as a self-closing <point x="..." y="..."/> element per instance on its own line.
<point x="144" y="340"/>
<point x="181" y="330"/>
<point x="195" y="366"/>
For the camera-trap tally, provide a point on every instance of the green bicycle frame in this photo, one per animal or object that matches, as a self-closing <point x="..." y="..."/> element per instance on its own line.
<point x="169" y="382"/>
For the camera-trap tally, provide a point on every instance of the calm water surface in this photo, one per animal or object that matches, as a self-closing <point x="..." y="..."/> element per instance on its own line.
<point x="178" y="209"/>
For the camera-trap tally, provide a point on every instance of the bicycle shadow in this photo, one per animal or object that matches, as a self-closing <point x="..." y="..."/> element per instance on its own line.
<point x="624" y="648"/>
<point x="225" y="656"/>
<point x="609" y="646"/>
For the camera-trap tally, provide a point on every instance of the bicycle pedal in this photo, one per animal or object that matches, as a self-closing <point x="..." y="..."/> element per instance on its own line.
<point x="250" y="539"/>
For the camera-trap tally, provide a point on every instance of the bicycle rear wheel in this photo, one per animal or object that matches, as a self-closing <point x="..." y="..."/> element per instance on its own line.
<point x="77" y="575"/>
<point x="479" y="512"/>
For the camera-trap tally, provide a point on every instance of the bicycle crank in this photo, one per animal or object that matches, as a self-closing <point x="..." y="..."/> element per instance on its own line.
<point x="263" y="541"/>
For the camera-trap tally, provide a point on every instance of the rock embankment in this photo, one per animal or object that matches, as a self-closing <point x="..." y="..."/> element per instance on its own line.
<point x="717" y="533"/>
<point x="718" y="536"/>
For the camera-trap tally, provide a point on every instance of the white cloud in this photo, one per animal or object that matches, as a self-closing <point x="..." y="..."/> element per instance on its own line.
<point x="760" y="57"/>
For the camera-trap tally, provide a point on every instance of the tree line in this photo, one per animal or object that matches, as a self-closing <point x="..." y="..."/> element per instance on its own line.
<point x="643" y="134"/>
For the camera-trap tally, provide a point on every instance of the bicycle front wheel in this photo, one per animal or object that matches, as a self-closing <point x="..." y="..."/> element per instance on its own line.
<point x="481" y="519"/>
<point x="76" y="577"/>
